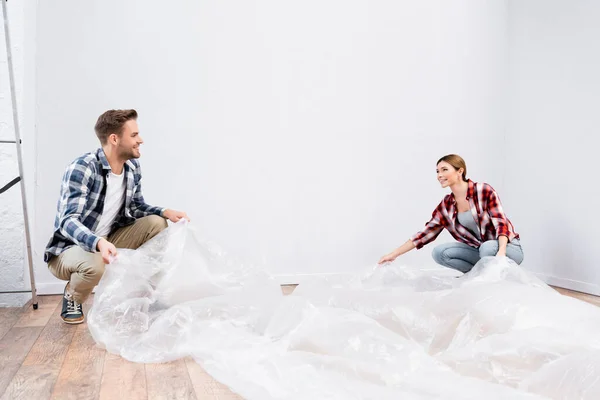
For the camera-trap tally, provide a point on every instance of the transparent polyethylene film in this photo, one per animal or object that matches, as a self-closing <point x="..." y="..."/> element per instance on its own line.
<point x="392" y="332"/>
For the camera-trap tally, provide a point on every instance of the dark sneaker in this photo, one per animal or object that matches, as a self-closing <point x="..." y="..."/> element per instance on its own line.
<point x="71" y="313"/>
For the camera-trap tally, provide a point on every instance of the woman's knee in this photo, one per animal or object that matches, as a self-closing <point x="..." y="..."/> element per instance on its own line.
<point x="438" y="254"/>
<point x="455" y="256"/>
<point x="488" y="249"/>
<point x="515" y="253"/>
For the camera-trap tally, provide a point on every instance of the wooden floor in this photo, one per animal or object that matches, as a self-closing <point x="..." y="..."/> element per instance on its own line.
<point x="43" y="358"/>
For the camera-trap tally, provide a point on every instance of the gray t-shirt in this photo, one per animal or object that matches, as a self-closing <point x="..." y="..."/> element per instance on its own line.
<point x="467" y="220"/>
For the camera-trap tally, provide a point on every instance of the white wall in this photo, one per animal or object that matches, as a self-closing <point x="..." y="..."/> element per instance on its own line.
<point x="13" y="262"/>
<point x="299" y="136"/>
<point x="552" y="151"/>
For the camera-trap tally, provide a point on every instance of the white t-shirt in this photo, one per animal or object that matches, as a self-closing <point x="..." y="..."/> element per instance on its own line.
<point x="113" y="201"/>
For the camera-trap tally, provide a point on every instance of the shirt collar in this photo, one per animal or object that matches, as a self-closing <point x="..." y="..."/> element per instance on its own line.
<point x="470" y="191"/>
<point x="106" y="166"/>
<point x="102" y="159"/>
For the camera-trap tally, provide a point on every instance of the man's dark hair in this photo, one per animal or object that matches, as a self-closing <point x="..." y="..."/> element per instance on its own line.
<point x="112" y="121"/>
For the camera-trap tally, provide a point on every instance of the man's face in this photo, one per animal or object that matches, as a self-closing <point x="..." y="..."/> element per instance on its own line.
<point x="128" y="145"/>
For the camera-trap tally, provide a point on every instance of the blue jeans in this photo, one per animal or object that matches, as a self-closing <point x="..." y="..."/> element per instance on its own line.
<point x="463" y="257"/>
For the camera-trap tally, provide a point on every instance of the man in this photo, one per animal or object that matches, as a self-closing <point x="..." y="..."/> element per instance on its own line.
<point x="101" y="207"/>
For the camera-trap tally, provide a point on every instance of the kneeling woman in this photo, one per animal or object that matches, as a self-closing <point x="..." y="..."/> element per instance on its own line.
<point x="473" y="215"/>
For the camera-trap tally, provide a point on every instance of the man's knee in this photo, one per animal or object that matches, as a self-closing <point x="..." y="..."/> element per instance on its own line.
<point x="156" y="223"/>
<point x="91" y="271"/>
<point x="488" y="249"/>
<point x="75" y="260"/>
<point x="153" y="226"/>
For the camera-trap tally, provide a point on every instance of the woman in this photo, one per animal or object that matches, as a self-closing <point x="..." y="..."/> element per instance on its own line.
<point x="473" y="215"/>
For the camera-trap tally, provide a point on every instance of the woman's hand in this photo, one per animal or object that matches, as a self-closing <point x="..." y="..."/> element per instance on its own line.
<point x="389" y="257"/>
<point x="408" y="246"/>
<point x="502" y="242"/>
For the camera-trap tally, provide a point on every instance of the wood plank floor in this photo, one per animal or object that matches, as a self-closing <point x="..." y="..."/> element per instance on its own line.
<point x="43" y="358"/>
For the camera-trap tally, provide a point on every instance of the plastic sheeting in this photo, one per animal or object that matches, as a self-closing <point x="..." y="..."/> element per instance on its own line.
<point x="394" y="332"/>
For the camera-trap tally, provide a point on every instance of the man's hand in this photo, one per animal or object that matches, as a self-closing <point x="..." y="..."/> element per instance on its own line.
<point x="106" y="249"/>
<point x="501" y="253"/>
<point x="175" y="216"/>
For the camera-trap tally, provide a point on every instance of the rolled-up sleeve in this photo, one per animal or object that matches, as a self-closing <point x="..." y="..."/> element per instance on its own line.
<point x="432" y="229"/>
<point x="496" y="212"/>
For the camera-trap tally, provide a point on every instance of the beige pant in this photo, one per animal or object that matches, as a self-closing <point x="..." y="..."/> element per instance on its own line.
<point x="83" y="269"/>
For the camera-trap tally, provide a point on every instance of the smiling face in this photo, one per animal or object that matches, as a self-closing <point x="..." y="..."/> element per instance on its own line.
<point x="128" y="142"/>
<point x="448" y="175"/>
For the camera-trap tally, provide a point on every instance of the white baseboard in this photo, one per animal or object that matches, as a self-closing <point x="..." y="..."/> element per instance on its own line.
<point x="296" y="279"/>
<point x="578" y="286"/>
<point x="50" y="288"/>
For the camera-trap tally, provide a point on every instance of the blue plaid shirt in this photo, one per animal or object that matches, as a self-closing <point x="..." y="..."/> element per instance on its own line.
<point x="82" y="201"/>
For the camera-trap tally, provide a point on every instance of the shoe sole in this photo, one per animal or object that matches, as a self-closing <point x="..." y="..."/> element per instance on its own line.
<point x="73" y="321"/>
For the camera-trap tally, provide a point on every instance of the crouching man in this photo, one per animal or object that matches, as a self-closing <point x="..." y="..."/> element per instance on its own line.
<point x="101" y="208"/>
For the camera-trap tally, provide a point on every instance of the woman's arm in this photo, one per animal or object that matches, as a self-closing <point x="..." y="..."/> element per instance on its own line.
<point x="432" y="230"/>
<point x="502" y="242"/>
<point x="497" y="215"/>
<point x="405" y="248"/>
<point x="499" y="220"/>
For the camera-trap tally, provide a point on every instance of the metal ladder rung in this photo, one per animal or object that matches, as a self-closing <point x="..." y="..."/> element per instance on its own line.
<point x="15" y="291"/>
<point x="10" y="184"/>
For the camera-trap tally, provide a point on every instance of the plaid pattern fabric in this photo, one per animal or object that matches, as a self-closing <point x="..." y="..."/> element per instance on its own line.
<point x="486" y="208"/>
<point x="82" y="201"/>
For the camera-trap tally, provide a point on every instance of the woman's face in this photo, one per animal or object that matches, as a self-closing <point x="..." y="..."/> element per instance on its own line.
<point x="447" y="175"/>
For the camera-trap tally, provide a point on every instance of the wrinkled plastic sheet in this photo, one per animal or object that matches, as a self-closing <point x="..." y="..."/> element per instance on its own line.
<point x="393" y="332"/>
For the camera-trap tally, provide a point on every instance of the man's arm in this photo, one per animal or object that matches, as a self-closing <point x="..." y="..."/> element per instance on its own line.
<point x="74" y="195"/>
<point x="139" y="208"/>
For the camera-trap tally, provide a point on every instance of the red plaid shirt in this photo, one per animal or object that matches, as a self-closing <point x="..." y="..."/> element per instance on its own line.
<point x="486" y="208"/>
